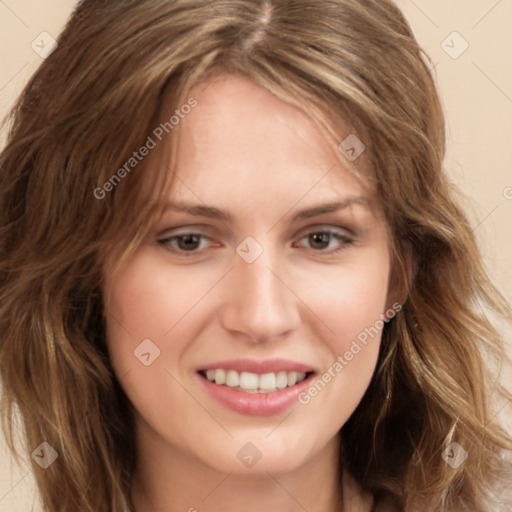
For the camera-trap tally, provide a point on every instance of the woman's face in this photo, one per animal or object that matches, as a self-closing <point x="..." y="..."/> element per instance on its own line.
<point x="254" y="284"/>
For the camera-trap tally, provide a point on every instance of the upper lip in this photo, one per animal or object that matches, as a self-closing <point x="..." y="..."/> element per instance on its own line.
<point x="263" y="366"/>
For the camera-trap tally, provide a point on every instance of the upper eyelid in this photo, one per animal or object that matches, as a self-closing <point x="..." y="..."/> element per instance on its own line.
<point x="205" y="231"/>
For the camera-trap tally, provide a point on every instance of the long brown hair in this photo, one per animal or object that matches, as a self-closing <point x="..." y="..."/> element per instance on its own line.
<point x="94" y="101"/>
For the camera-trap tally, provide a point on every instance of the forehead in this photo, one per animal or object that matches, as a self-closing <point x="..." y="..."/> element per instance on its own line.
<point x="242" y="144"/>
<point x="235" y="118"/>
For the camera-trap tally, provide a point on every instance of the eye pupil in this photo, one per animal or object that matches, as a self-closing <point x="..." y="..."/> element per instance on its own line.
<point x="319" y="238"/>
<point x="184" y="242"/>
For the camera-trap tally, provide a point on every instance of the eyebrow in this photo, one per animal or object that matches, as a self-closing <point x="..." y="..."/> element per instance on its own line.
<point x="202" y="210"/>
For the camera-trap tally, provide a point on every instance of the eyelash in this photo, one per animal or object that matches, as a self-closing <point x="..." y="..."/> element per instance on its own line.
<point x="342" y="237"/>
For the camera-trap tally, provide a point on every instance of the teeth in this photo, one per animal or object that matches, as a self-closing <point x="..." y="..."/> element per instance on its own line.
<point x="232" y="379"/>
<point x="282" y="380"/>
<point x="292" y="378"/>
<point x="249" y="380"/>
<point x="220" y="377"/>
<point x="267" y="381"/>
<point x="253" y="382"/>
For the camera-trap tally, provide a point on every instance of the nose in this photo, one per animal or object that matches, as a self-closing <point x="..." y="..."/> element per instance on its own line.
<point x="259" y="304"/>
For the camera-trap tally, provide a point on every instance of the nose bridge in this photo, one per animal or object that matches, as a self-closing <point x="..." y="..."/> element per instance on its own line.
<point x="258" y="303"/>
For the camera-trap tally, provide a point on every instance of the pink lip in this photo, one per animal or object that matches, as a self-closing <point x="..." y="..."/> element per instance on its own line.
<point x="273" y="365"/>
<point x="255" y="404"/>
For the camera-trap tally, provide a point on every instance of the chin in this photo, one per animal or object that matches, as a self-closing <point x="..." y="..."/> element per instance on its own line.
<point x="259" y="456"/>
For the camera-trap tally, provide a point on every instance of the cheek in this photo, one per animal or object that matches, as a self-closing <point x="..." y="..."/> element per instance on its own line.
<point x="351" y="303"/>
<point x="146" y="301"/>
<point x="350" y="298"/>
<point x="148" y="311"/>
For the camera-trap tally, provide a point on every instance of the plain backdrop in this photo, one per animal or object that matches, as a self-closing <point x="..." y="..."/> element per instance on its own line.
<point x="470" y="44"/>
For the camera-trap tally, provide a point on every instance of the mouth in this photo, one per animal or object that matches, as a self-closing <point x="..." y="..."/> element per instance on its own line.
<point x="249" y="382"/>
<point x="256" y="387"/>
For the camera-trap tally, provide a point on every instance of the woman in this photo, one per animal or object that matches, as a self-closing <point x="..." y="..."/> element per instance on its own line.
<point x="324" y="342"/>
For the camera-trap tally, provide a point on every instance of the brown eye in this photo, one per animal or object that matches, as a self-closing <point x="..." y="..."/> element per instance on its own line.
<point x="319" y="241"/>
<point x="188" y="242"/>
<point x="184" y="243"/>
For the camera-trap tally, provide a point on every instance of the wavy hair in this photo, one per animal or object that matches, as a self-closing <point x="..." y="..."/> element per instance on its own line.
<point x="94" y="101"/>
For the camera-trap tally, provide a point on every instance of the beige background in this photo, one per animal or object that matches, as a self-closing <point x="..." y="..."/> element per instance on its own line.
<point x="476" y="88"/>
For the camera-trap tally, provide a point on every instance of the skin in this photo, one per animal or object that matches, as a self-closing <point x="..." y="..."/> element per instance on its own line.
<point x="244" y="150"/>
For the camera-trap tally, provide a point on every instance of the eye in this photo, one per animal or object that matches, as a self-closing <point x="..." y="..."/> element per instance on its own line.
<point x="183" y="243"/>
<point x="320" y="240"/>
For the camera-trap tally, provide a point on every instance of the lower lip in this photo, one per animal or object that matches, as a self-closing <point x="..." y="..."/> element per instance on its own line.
<point x="256" y="404"/>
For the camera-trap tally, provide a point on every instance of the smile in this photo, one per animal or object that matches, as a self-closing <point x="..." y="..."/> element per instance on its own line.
<point x="253" y="382"/>
<point x="255" y="387"/>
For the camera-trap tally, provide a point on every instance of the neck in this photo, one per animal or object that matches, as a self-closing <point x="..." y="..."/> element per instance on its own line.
<point x="169" y="480"/>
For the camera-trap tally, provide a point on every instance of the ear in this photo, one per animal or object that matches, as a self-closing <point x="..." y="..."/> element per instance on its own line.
<point x="403" y="272"/>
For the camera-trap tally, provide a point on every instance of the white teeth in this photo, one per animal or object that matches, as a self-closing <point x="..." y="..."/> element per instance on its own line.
<point x="281" y="380"/>
<point x="253" y="382"/>
<point x="220" y="377"/>
<point x="267" y="381"/>
<point x="292" y="378"/>
<point x="249" y="380"/>
<point x="232" y="379"/>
